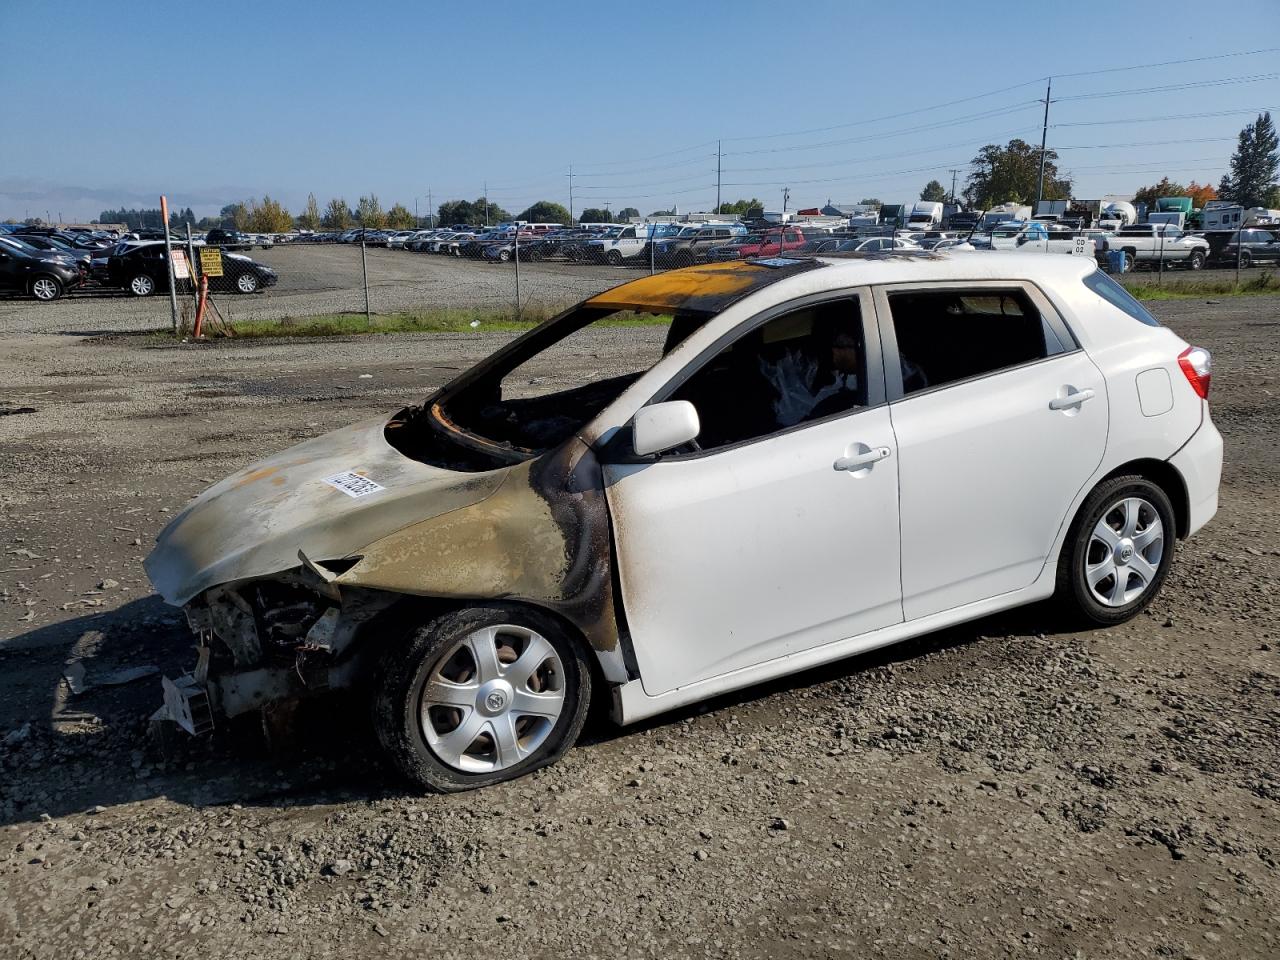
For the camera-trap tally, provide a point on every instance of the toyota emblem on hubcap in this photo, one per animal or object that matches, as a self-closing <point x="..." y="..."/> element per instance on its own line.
<point x="495" y="701"/>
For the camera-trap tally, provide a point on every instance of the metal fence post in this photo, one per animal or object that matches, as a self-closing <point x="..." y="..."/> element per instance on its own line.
<point x="168" y="255"/>
<point x="653" y="245"/>
<point x="364" y="269"/>
<point x="516" y="246"/>
<point x="1239" y="247"/>
<point x="1162" y="232"/>
<point x="191" y="255"/>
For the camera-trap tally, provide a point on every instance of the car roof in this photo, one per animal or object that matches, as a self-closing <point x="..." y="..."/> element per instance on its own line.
<point x="908" y="266"/>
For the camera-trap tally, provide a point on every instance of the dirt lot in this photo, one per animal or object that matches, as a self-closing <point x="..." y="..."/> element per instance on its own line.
<point x="1003" y="788"/>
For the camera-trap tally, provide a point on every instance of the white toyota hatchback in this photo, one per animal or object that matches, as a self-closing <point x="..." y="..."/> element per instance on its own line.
<point x="806" y="460"/>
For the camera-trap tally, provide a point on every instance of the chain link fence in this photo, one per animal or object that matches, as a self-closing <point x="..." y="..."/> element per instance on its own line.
<point x="442" y="278"/>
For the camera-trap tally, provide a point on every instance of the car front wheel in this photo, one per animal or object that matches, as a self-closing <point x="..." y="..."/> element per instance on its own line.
<point x="46" y="288"/>
<point x="1118" y="551"/>
<point x="480" y="696"/>
<point x="1197" y="260"/>
<point x="142" y="286"/>
<point x="247" y="283"/>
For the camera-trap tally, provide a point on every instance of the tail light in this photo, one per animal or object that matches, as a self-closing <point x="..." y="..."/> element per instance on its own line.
<point x="1197" y="364"/>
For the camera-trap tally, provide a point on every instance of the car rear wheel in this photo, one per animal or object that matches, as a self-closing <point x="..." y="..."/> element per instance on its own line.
<point x="1130" y="261"/>
<point x="46" y="288"/>
<point x="247" y="283"/>
<point x="142" y="286"/>
<point x="1118" y="551"/>
<point x="1246" y="258"/>
<point x="614" y="258"/>
<point x="479" y="696"/>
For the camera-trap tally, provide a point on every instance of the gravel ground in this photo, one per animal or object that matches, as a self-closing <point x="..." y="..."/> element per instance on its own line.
<point x="1001" y="788"/>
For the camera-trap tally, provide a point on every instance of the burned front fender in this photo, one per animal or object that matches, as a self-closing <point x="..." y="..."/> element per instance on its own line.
<point x="541" y="538"/>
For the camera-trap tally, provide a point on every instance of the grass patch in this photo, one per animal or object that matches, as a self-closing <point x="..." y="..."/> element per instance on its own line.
<point x="1261" y="285"/>
<point x="418" y="321"/>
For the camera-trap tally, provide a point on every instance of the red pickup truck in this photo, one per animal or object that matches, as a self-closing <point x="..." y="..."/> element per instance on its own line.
<point x="792" y="238"/>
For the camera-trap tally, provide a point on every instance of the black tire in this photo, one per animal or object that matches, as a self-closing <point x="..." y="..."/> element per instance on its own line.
<point x="684" y="259"/>
<point x="1246" y="259"/>
<point x="614" y="258"/>
<point x="247" y="283"/>
<point x="405" y="666"/>
<point x="1130" y="261"/>
<point x="1196" y="262"/>
<point x="142" y="286"/>
<point x="46" y="288"/>
<point x="1073" y="591"/>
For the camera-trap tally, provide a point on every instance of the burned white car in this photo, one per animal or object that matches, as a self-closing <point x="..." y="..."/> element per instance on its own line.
<point x="809" y="459"/>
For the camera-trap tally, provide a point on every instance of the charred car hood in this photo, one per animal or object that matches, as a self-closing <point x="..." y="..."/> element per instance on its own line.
<point x="254" y="522"/>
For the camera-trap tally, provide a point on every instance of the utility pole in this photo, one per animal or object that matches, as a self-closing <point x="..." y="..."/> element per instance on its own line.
<point x="786" y="195"/>
<point x="486" y="203"/>
<point x="571" y="194"/>
<point x="1044" y="137"/>
<point x="953" y="185"/>
<point x="416" y="222"/>
<point x="717" y="176"/>
<point x="431" y="210"/>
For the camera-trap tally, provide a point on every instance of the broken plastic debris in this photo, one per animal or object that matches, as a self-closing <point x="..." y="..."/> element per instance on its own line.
<point x="79" y="682"/>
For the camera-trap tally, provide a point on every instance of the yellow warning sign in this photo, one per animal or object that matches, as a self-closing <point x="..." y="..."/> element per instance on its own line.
<point x="211" y="261"/>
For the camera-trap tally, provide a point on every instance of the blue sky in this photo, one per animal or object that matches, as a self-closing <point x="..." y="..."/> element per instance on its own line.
<point x="211" y="103"/>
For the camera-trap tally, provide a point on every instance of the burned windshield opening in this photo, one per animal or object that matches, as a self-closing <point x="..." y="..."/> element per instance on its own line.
<point x="541" y="390"/>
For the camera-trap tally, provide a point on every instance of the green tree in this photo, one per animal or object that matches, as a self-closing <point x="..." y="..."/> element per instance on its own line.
<point x="1255" y="168"/>
<point x="626" y="213"/>
<point x="933" y="192"/>
<point x="400" y="217"/>
<point x="1008" y="174"/>
<point x="337" y="215"/>
<point x="370" y="214"/>
<point x="235" y="216"/>
<point x="479" y="212"/>
<point x="656" y="213"/>
<point x="269" y="216"/>
<point x="309" y="218"/>
<point x="750" y="209"/>
<point x="544" y="211"/>
<point x="871" y="202"/>
<point x="594" y="215"/>
<point x="1165" y="188"/>
<point x="1271" y="199"/>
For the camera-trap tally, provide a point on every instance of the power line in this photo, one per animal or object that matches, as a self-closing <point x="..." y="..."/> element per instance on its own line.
<point x="1176" y="116"/>
<point x="1165" y="63"/>
<point x="1221" y="82"/>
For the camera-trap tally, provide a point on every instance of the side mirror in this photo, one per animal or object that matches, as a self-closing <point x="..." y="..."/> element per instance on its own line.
<point x="664" y="426"/>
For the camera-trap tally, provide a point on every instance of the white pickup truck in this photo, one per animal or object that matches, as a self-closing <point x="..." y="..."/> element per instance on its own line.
<point x="620" y="243"/>
<point x="1149" y="243"/>
<point x="1041" y="237"/>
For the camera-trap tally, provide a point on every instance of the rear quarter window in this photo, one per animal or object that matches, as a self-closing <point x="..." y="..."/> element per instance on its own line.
<point x="1119" y="297"/>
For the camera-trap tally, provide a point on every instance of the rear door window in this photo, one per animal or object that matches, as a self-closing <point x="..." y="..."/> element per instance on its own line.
<point x="946" y="336"/>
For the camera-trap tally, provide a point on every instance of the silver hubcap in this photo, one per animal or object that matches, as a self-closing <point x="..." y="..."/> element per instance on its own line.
<point x="493" y="699"/>
<point x="45" y="289"/>
<point x="1125" y="550"/>
<point x="141" y="286"/>
<point x="247" y="283"/>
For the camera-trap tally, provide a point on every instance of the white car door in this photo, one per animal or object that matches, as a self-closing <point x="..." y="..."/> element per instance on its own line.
<point x="781" y="532"/>
<point x="1000" y="420"/>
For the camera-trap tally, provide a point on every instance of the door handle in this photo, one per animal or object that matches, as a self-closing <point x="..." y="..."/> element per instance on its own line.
<point x="1071" y="399"/>
<point x="860" y="460"/>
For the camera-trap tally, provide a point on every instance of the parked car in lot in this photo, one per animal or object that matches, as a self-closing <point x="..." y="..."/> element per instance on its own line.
<point x="694" y="244"/>
<point x="228" y="239"/>
<point x="1255" y="246"/>
<point x="51" y="243"/>
<point x="468" y="563"/>
<point x="143" y="268"/>
<point x="37" y="273"/>
<point x="1147" y="244"/>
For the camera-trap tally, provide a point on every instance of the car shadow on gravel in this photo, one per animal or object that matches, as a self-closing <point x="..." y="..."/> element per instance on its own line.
<point x="63" y="753"/>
